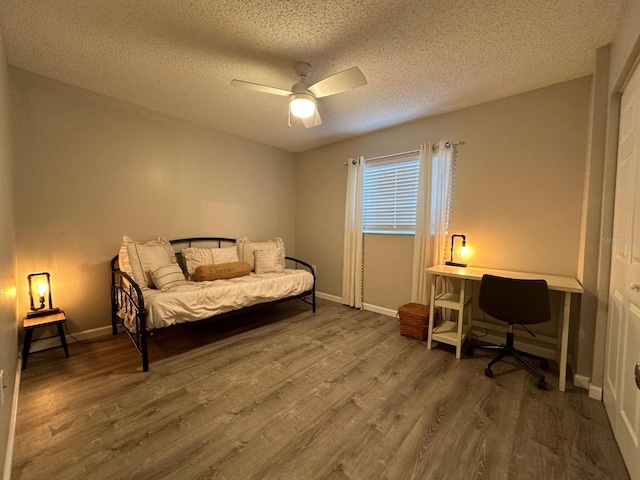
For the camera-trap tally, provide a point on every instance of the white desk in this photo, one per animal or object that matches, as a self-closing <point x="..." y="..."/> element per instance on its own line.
<point x="568" y="285"/>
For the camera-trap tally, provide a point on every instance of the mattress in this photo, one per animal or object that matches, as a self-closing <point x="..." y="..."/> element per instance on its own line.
<point x="199" y="300"/>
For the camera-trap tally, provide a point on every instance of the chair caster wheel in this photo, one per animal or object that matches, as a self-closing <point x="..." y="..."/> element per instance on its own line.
<point x="542" y="385"/>
<point x="488" y="373"/>
<point x="470" y="351"/>
<point x="544" y="365"/>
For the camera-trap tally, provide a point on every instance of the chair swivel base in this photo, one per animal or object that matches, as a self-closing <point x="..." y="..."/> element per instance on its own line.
<point x="509" y="350"/>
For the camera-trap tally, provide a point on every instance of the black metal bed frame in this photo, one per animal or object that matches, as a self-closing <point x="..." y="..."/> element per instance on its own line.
<point x="127" y="295"/>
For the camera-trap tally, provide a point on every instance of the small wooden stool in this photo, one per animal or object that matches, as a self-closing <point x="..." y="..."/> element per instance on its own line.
<point x="30" y="324"/>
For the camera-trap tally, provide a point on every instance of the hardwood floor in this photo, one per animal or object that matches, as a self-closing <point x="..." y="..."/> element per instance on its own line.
<point x="285" y="394"/>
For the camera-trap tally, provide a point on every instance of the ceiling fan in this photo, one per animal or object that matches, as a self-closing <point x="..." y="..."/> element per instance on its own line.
<point x="302" y="97"/>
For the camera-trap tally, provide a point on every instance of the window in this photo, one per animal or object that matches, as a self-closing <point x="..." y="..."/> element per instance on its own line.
<point x="390" y="194"/>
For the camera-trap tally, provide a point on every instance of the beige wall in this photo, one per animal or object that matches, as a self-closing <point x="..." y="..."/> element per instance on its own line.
<point x="387" y="278"/>
<point x="8" y="318"/>
<point x="90" y="169"/>
<point x="518" y="194"/>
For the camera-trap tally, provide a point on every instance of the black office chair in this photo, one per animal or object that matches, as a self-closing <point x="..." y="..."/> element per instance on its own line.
<point x="514" y="301"/>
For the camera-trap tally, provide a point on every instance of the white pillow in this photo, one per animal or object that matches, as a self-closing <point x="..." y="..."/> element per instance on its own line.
<point x="195" y="257"/>
<point x="246" y="248"/>
<point x="146" y="257"/>
<point x="269" y="261"/>
<point x="168" y="276"/>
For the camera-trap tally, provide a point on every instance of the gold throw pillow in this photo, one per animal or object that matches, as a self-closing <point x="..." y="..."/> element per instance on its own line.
<point x="221" y="271"/>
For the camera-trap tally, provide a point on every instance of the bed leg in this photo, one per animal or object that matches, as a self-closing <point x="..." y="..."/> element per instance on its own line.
<point x="114" y="302"/>
<point x="145" y="359"/>
<point x="144" y="352"/>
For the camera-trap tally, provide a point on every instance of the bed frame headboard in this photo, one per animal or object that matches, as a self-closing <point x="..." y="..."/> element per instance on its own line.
<point x="204" y="242"/>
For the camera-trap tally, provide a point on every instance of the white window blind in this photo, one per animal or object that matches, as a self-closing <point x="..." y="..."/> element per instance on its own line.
<point x="390" y="194"/>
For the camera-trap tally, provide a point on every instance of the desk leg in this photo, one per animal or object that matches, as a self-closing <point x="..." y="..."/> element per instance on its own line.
<point x="463" y="287"/>
<point x="564" y="342"/>
<point x="432" y="302"/>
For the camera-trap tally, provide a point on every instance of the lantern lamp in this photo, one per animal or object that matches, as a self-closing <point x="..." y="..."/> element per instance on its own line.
<point x="40" y="295"/>
<point x="463" y="251"/>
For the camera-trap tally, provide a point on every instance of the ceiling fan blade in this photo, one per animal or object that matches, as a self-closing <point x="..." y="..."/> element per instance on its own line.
<point x="338" y="83"/>
<point x="312" y="121"/>
<point x="260" y="88"/>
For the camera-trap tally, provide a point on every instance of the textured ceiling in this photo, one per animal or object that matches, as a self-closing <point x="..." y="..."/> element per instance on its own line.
<point x="420" y="57"/>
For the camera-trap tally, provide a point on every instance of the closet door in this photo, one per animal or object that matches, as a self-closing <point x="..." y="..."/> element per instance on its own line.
<point x="622" y="387"/>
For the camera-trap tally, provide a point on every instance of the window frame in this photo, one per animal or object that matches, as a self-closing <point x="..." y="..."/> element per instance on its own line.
<point x="397" y="178"/>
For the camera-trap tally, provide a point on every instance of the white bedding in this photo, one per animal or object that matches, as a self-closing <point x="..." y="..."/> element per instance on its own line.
<point x="199" y="300"/>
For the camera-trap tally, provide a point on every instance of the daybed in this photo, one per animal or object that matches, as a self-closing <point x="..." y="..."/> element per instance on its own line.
<point x="143" y="298"/>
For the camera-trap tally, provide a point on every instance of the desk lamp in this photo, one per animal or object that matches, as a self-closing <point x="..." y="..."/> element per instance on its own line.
<point x="40" y="286"/>
<point x="463" y="251"/>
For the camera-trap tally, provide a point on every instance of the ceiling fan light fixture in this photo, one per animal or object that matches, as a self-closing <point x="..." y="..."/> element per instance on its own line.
<point x="303" y="97"/>
<point x="302" y="105"/>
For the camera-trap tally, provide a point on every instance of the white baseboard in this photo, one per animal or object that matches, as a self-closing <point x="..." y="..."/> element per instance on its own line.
<point x="39" y="345"/>
<point x="326" y="296"/>
<point x="581" y="381"/>
<point x="595" y="392"/>
<point x="382" y="310"/>
<point x="366" y="306"/>
<point x="8" y="459"/>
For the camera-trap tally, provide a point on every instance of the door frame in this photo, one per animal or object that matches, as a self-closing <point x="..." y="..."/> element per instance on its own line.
<point x="606" y="221"/>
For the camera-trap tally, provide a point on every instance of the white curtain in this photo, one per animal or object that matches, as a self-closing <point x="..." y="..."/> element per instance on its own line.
<point x="352" y="256"/>
<point x="435" y="195"/>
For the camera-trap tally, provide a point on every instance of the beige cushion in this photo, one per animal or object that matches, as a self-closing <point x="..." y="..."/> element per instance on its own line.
<point x="146" y="257"/>
<point x="221" y="271"/>
<point x="269" y="261"/>
<point x="194" y="257"/>
<point x="123" y="259"/>
<point x="246" y="248"/>
<point x="168" y="276"/>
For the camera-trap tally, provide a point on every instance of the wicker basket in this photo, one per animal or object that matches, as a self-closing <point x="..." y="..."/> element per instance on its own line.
<point x="414" y="320"/>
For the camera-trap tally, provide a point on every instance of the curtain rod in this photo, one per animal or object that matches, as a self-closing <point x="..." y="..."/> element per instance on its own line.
<point x="410" y="152"/>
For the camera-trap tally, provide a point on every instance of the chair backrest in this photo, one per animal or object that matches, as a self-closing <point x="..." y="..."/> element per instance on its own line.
<point x="515" y="301"/>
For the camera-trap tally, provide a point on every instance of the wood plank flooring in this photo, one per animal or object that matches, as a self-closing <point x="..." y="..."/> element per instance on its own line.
<point x="282" y="393"/>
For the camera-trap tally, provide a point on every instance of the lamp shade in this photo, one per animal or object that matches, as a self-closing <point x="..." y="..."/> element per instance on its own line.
<point x="302" y="105"/>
